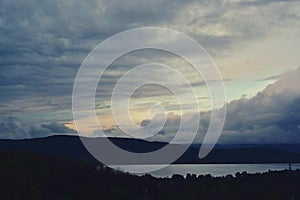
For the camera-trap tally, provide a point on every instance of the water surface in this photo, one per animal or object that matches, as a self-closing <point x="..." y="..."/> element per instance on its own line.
<point x="212" y="169"/>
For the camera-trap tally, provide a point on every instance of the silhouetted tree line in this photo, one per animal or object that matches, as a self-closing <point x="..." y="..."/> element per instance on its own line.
<point x="25" y="175"/>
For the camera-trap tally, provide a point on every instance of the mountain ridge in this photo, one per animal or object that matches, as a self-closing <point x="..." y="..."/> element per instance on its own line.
<point x="72" y="147"/>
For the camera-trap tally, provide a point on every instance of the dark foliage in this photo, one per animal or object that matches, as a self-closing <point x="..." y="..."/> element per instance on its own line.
<point x="25" y="175"/>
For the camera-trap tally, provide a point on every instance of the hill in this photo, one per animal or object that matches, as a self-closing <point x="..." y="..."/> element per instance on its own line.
<point x="72" y="147"/>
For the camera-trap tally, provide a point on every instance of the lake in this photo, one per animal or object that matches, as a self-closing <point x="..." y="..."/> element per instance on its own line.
<point x="213" y="169"/>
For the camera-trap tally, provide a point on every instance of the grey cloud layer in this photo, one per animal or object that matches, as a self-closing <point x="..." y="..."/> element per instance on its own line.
<point x="272" y="116"/>
<point x="12" y="128"/>
<point x="44" y="42"/>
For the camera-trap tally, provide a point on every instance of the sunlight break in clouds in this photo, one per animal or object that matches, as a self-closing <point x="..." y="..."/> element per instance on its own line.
<point x="44" y="43"/>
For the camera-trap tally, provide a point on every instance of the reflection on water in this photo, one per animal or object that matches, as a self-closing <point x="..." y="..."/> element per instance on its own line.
<point x="213" y="169"/>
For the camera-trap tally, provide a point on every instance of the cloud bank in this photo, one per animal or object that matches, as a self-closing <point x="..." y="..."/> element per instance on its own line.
<point x="272" y="116"/>
<point x="13" y="128"/>
<point x="44" y="42"/>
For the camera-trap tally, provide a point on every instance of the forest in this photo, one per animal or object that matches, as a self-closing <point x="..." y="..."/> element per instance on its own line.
<point x="28" y="175"/>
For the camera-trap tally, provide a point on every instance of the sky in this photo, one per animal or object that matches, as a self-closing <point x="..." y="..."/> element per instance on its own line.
<point x="255" y="44"/>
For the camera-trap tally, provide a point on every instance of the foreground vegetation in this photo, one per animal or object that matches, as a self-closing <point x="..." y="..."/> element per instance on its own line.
<point x="32" y="176"/>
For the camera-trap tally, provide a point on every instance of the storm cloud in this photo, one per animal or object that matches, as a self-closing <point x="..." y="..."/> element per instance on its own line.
<point x="271" y="116"/>
<point x="44" y="42"/>
<point x="13" y="128"/>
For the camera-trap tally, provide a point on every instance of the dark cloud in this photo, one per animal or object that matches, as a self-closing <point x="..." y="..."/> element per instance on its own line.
<point x="13" y="128"/>
<point x="58" y="128"/>
<point x="272" y="116"/>
<point x="44" y="42"/>
<point x="145" y="122"/>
